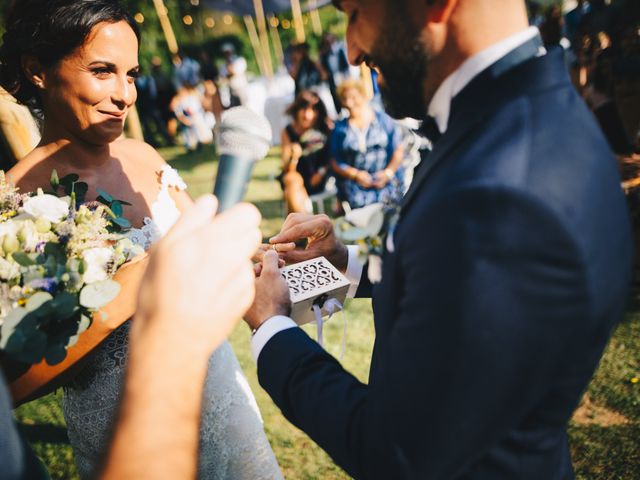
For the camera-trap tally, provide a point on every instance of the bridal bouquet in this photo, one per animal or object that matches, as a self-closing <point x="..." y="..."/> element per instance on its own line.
<point x="58" y="255"/>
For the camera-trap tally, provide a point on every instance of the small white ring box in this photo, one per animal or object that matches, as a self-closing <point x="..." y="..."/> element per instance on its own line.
<point x="313" y="282"/>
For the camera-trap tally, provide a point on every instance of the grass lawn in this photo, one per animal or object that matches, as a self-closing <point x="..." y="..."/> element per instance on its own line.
<point x="605" y="432"/>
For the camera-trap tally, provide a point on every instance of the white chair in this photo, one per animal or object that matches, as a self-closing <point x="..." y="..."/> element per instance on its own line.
<point x="317" y="200"/>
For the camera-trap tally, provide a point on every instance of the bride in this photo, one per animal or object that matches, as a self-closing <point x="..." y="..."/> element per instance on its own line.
<point x="76" y="63"/>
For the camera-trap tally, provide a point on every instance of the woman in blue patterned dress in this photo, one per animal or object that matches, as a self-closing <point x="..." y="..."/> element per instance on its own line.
<point x="366" y="150"/>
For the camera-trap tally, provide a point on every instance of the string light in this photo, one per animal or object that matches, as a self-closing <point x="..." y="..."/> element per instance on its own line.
<point x="286" y="24"/>
<point x="195" y="3"/>
<point x="274" y="22"/>
<point x="210" y="22"/>
<point x="138" y="17"/>
<point x="227" y="19"/>
<point x="187" y="19"/>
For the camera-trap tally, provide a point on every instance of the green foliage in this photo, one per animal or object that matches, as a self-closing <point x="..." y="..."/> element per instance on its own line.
<point x="97" y="295"/>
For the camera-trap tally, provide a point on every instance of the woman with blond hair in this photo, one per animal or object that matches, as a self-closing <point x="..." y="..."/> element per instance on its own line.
<point x="366" y="150"/>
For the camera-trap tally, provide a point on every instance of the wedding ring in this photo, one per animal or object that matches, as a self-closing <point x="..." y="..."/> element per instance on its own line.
<point x="274" y="248"/>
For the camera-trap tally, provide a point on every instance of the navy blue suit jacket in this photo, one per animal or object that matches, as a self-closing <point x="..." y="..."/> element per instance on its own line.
<point x="511" y="265"/>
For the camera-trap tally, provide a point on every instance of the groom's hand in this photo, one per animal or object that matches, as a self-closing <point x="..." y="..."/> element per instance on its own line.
<point x="321" y="240"/>
<point x="272" y="293"/>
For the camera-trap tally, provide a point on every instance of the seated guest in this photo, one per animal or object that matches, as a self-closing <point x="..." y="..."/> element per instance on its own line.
<point x="194" y="124"/>
<point x="366" y="150"/>
<point x="305" y="157"/>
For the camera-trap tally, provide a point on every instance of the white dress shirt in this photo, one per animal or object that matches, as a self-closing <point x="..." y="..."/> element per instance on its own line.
<point x="439" y="108"/>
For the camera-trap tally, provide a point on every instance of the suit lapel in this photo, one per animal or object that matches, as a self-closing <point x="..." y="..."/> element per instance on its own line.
<point x="484" y="94"/>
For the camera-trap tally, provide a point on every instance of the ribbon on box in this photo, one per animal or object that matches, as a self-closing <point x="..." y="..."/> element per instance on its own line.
<point x="331" y="306"/>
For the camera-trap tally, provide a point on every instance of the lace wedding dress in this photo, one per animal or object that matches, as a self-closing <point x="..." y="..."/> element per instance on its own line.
<point x="233" y="444"/>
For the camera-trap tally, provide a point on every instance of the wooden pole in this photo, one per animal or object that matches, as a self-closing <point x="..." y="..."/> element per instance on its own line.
<point x="255" y="43"/>
<point x="316" y="24"/>
<point x="277" y="42"/>
<point x="264" y="37"/>
<point x="165" y="23"/>
<point x="296" y="10"/>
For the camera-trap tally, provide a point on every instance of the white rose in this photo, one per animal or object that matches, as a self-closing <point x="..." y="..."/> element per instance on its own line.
<point x="10" y="227"/>
<point x="8" y="270"/>
<point x="28" y="235"/>
<point x="48" y="207"/>
<point x="96" y="260"/>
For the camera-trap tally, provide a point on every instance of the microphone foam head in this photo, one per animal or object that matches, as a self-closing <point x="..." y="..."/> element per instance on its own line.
<point x="244" y="133"/>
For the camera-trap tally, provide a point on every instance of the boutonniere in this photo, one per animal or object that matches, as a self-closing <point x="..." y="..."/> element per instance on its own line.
<point x="371" y="228"/>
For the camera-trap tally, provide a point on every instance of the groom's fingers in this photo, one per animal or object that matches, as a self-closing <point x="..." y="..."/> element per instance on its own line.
<point x="293" y="219"/>
<point x="293" y="233"/>
<point x="297" y="256"/>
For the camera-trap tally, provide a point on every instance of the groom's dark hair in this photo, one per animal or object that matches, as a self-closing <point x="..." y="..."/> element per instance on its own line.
<point x="49" y="30"/>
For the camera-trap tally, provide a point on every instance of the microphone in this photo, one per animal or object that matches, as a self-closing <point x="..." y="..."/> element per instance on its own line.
<point x="244" y="138"/>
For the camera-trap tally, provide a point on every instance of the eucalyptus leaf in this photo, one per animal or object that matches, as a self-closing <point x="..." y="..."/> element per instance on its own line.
<point x="116" y="208"/>
<point x="108" y="198"/>
<point x="85" y="323"/>
<point x="10" y="325"/>
<point x="80" y="189"/>
<point x="14" y="317"/>
<point x="23" y="259"/>
<point x="97" y="295"/>
<point x="34" y="348"/>
<point x="122" y="222"/>
<point x="33" y="273"/>
<point x="54" y="249"/>
<point x="69" y="179"/>
<point x="55" y="354"/>
<point x="37" y="300"/>
<point x="65" y="305"/>
<point x="12" y="342"/>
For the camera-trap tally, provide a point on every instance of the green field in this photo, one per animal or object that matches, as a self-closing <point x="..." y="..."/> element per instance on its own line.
<point x="605" y="433"/>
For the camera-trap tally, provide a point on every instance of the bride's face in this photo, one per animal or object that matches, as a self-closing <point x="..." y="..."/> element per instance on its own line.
<point x="88" y="94"/>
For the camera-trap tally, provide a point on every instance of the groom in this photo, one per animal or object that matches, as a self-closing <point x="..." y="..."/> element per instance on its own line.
<point x="507" y="270"/>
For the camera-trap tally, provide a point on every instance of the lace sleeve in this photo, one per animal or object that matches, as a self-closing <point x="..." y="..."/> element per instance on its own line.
<point x="169" y="177"/>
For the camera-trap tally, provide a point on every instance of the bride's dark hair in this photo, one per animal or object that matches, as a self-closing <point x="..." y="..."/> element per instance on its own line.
<point x="49" y="30"/>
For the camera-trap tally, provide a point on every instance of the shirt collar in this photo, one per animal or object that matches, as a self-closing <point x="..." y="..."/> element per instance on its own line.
<point x="440" y="105"/>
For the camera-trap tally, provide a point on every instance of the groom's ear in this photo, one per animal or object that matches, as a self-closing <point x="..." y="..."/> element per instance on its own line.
<point x="439" y="11"/>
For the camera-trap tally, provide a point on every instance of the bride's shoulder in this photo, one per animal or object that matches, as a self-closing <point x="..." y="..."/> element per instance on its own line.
<point x="138" y="153"/>
<point x="143" y="160"/>
<point x="32" y="172"/>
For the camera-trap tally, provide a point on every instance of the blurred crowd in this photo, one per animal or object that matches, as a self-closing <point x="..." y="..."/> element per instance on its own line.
<point x="602" y="45"/>
<point x="184" y="105"/>
<point x="338" y="137"/>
